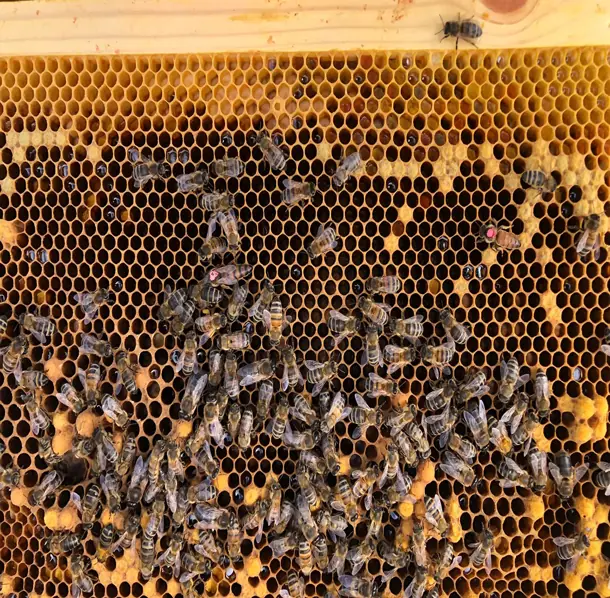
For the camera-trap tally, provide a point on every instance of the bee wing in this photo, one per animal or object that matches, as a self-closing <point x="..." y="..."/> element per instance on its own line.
<point x="317" y="389"/>
<point x="361" y="402"/>
<point x="571" y="566"/>
<point x="563" y="541"/>
<point x="41" y="338"/>
<point x="211" y="226"/>
<point x="267" y="319"/>
<point x="180" y="362"/>
<point x="604" y="466"/>
<point x="470" y="421"/>
<point x="63" y="399"/>
<point x="357" y="433"/>
<point x="434" y="394"/>
<point x="515" y="423"/>
<point x="384" y="476"/>
<point x="35" y="427"/>
<point x="513" y="465"/>
<point x="596" y="250"/>
<point x="555" y="473"/>
<point x="581" y="470"/>
<point x="488" y="563"/>
<point x="312" y="365"/>
<point x="449" y="469"/>
<point x="522" y="380"/>
<point x="77" y="502"/>
<point x="75" y="590"/>
<point x="503" y="369"/>
<point x="508" y="415"/>
<point x="338" y="315"/>
<point x="582" y="241"/>
<point x="413" y="319"/>
<point x="290" y="184"/>
<point x="285" y="381"/>
<point x="605" y="349"/>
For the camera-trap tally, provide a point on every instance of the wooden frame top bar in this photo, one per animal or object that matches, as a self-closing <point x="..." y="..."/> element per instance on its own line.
<point x="201" y="26"/>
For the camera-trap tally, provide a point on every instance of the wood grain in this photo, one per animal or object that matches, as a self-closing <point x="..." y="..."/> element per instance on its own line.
<point x="155" y="26"/>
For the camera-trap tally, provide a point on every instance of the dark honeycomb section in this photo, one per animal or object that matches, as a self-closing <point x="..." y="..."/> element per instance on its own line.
<point x="444" y="139"/>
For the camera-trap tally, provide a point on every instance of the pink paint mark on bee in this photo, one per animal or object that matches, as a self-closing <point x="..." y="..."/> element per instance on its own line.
<point x="491" y="233"/>
<point x="213" y="275"/>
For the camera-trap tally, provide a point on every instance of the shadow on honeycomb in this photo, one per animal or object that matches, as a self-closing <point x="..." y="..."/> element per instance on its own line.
<point x="444" y="138"/>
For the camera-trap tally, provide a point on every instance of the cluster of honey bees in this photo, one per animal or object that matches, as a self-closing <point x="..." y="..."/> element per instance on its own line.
<point x="297" y="405"/>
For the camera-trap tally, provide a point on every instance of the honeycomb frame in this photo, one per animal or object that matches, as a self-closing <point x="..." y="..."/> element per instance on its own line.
<point x="444" y="138"/>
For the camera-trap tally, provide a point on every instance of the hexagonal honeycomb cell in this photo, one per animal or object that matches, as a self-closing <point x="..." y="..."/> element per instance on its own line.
<point x="444" y="138"/>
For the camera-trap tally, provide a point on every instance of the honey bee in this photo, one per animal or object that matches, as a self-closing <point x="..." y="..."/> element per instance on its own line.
<point x="216" y="202"/>
<point x="216" y="365"/>
<point x="211" y="418"/>
<point x="434" y="514"/>
<point x="482" y="551"/>
<point x="90" y="345"/>
<point x="112" y="410"/>
<point x="127" y="455"/>
<point x="40" y="328"/>
<point x="365" y="482"/>
<point x="9" y="477"/>
<point x="81" y="582"/>
<point x="206" y="462"/>
<point x="192" y="181"/>
<point x="202" y="492"/>
<point x="277" y="425"/>
<point x="291" y="376"/>
<point x="474" y="387"/>
<point x="263" y="405"/>
<point x="442" y="423"/>
<point x="39" y="418"/>
<point x="343" y="500"/>
<point x="445" y="561"/>
<point x="295" y="586"/>
<point x="514" y="415"/>
<point x="589" y="240"/>
<point x="295" y="192"/>
<point x="342" y="326"/>
<point x="106" y="453"/>
<point x="601" y="476"/>
<point x="440" y="355"/>
<point x="302" y="410"/>
<point x="543" y="394"/>
<point x="208" y="547"/>
<point x="257" y="311"/>
<point x="513" y="475"/>
<point x="498" y="436"/>
<point x="231" y="380"/>
<point x="33" y="379"/>
<point x="256" y="519"/>
<point x="82" y="446"/>
<point x="337" y="411"/>
<point x="418" y="436"/>
<point x="571" y="549"/>
<point x="147" y="556"/>
<point x="360" y="554"/>
<point x="324" y="241"/>
<point x="90" y="381"/>
<point x="3" y="324"/>
<point x="537" y="461"/>
<point x="392" y="555"/>
<point x="309" y="497"/>
<point x="212" y="247"/>
<point x="419" y="543"/>
<point x="46" y="452"/>
<point x="172" y="303"/>
<point x="89" y="506"/>
<point x="353" y="586"/>
<point x="230" y="228"/>
<point x="155" y="460"/>
<point x="49" y="483"/>
<point x="272" y="154"/>
<point x="146" y="169"/>
<point x="499" y="237"/>
<point x="476" y="420"/>
<point x="348" y="166"/>
<point x="182" y="320"/>
<point x="187" y="360"/>
<point x="453" y="329"/>
<point x="234" y="420"/>
<point x="372" y="352"/>
<point x="111" y="486"/>
<point x="256" y="371"/>
<point x="417" y="587"/>
<point x="205" y="295"/>
<point x="70" y="398"/>
<point x="397" y="357"/>
<point x="287" y="513"/>
<point x="275" y="503"/>
<point x="410" y="329"/>
<point x="391" y="469"/>
<point x="399" y="417"/>
<point x="209" y="325"/>
<point x="192" y="565"/>
<point x="319" y="374"/>
<point x="329" y="449"/>
<point x="523" y="434"/>
<point x="405" y="447"/>
<point x="105" y="542"/>
<point x="192" y="395"/>
<point x="234" y="536"/>
<point x="441" y="394"/>
<point x="376" y="386"/>
<point x="363" y="416"/>
<point x="228" y="168"/>
<point x="510" y="379"/>
<point x="275" y="320"/>
<point x="63" y="543"/>
<point x="91" y="302"/>
<point x="244" y="439"/>
<point x="11" y="362"/>
<point x="376" y="313"/>
<point x="539" y="180"/>
<point x="237" y="302"/>
<point x="457" y="468"/>
<point x="383" y="284"/>
<point x="337" y="560"/>
<point x="171" y="557"/>
<point x="565" y="475"/>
